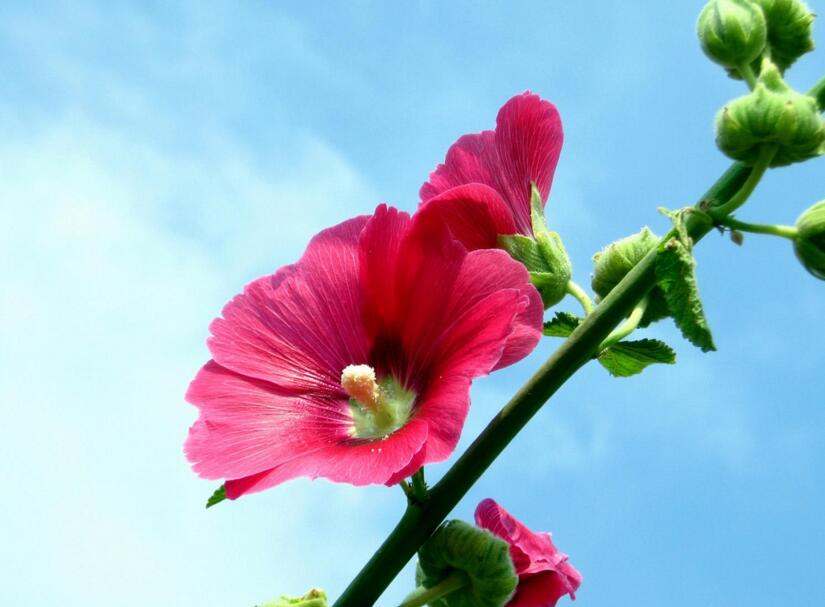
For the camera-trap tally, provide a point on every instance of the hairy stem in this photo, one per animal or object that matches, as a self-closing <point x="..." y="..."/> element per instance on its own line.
<point x="747" y="74"/>
<point x="419" y="521"/>
<point x="422" y="596"/>
<point x="763" y="161"/>
<point x="758" y="228"/>
<point x="581" y="295"/>
<point x="628" y="326"/>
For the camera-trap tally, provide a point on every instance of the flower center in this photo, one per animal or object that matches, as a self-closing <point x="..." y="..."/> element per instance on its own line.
<point x="379" y="406"/>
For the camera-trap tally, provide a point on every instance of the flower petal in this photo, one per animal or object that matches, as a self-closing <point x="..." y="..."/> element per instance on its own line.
<point x="300" y="327"/>
<point x="474" y="213"/>
<point x="524" y="147"/>
<point x="545" y="589"/>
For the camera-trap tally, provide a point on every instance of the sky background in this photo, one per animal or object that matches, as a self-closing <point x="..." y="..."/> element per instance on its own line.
<point x="155" y="157"/>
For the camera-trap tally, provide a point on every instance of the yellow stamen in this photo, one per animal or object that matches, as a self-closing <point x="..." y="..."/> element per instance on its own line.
<point x="359" y="383"/>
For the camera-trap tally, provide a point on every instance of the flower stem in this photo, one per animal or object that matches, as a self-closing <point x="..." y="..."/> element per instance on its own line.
<point x="422" y="595"/>
<point x="419" y="521"/>
<point x="746" y="71"/>
<point x="763" y="161"/>
<point x="758" y="228"/>
<point x="581" y="295"/>
<point x="628" y="326"/>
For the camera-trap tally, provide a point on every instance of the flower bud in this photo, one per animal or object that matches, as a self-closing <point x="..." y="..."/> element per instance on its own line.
<point x="772" y="113"/>
<point x="732" y="32"/>
<point x="789" y="30"/>
<point x="809" y="243"/>
<point x="478" y="554"/>
<point x="617" y="259"/>
<point x="313" y="598"/>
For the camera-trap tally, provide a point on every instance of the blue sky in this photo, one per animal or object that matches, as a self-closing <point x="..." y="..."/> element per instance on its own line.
<point x="155" y="157"/>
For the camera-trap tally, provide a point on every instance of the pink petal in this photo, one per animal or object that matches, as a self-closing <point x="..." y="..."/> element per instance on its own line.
<point x="474" y="213"/>
<point x="357" y="463"/>
<point x="524" y="147"/>
<point x="247" y="425"/>
<point x="298" y="328"/>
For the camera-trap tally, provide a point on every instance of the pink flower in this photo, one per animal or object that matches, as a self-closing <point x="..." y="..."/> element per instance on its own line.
<point x="483" y="188"/>
<point x="355" y="363"/>
<point x="544" y="573"/>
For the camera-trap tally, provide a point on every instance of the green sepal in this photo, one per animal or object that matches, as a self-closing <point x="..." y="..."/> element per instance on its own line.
<point x="313" y="598"/>
<point x="217" y="497"/>
<point x="612" y="264"/>
<point x="732" y="32"/>
<point x="809" y="243"/>
<point x="480" y="555"/>
<point x="628" y="358"/>
<point x="676" y="277"/>
<point x="562" y="325"/>
<point x="772" y="114"/>
<point x="790" y="29"/>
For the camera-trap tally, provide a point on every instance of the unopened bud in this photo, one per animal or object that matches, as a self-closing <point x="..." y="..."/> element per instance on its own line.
<point x="790" y="23"/>
<point x="732" y="32"/>
<point x="313" y="598"/>
<point x="809" y="243"/>
<point x="772" y="113"/>
<point x="480" y="556"/>
<point x="617" y="259"/>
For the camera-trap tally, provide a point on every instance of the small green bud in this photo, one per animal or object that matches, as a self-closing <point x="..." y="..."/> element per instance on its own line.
<point x="809" y="243"/>
<point x="732" y="32"/>
<point x="617" y="259"/>
<point x="477" y="553"/>
<point x="790" y="23"/>
<point x="313" y="598"/>
<point x="772" y="113"/>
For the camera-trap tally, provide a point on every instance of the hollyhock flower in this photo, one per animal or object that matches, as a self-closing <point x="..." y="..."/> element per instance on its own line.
<point x="355" y="363"/>
<point x="483" y="189"/>
<point x="544" y="573"/>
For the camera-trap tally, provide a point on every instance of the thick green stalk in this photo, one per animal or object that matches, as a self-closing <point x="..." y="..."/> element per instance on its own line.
<point x="421" y="519"/>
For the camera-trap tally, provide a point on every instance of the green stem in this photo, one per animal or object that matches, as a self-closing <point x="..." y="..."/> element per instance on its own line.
<point x="628" y="326"/>
<point x="758" y="228"/>
<point x="422" y="595"/>
<point x="419" y="521"/>
<point x="746" y="71"/>
<point x="763" y="161"/>
<point x="581" y="295"/>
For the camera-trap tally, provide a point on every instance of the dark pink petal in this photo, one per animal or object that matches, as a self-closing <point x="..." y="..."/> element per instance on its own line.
<point x="300" y="327"/>
<point x="533" y="555"/>
<point x="356" y="462"/>
<point x="524" y="147"/>
<point x="544" y="589"/>
<point x="474" y="213"/>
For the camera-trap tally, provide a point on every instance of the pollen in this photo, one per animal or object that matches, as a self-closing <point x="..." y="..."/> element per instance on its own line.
<point x="358" y="381"/>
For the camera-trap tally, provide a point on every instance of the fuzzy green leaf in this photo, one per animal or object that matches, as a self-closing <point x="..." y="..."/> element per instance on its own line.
<point x="675" y="276"/>
<point x="562" y="324"/>
<point x="217" y="497"/>
<point x="628" y="358"/>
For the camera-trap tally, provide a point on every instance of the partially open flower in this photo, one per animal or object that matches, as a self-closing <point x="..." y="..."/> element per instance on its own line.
<point x="544" y="573"/>
<point x="483" y="189"/>
<point x="355" y="363"/>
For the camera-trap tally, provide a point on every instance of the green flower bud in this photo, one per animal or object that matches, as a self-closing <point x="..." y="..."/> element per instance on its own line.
<point x="789" y="30"/>
<point x="477" y="553"/>
<point x="732" y="32"/>
<point x="313" y="598"/>
<point x="772" y="113"/>
<point x="617" y="259"/>
<point x="809" y="243"/>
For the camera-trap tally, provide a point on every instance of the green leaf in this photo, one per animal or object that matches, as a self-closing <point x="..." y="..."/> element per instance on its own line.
<point x="675" y="275"/>
<point x="217" y="497"/>
<point x="628" y="358"/>
<point x="562" y="325"/>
